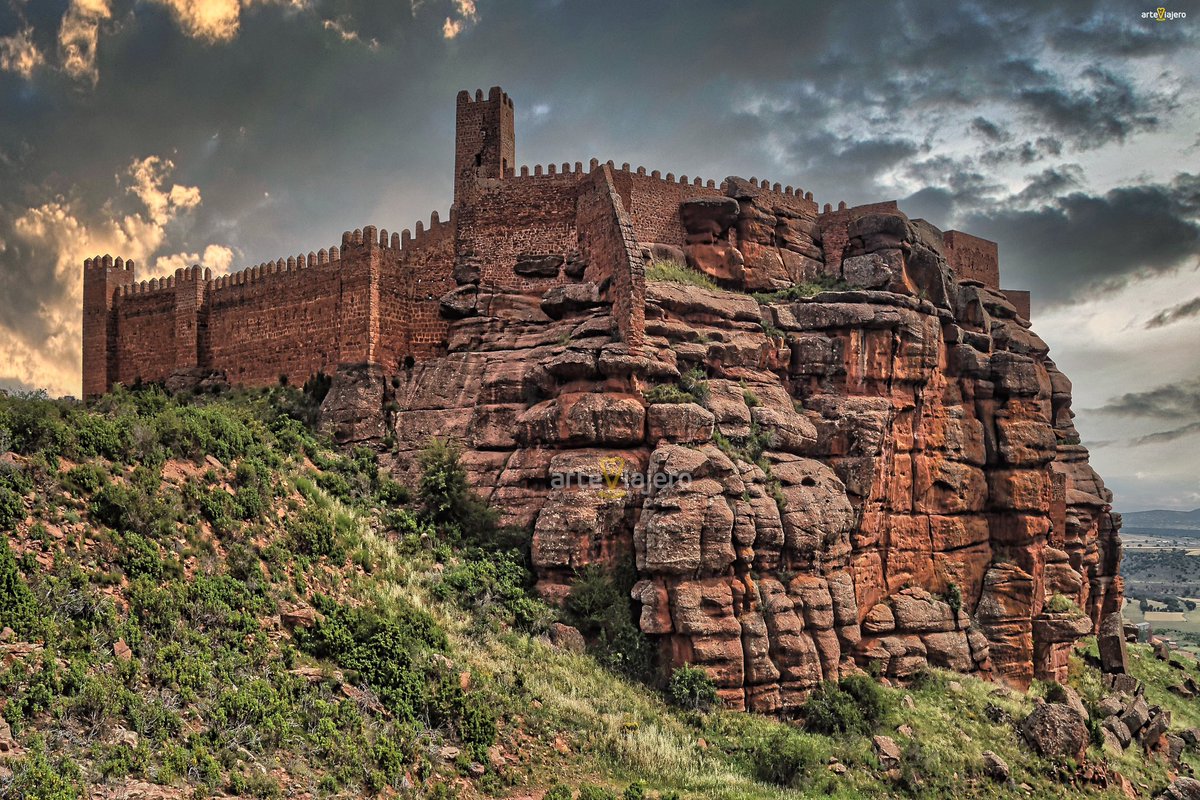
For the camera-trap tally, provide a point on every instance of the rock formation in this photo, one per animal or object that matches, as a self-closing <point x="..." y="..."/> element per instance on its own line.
<point x="885" y="471"/>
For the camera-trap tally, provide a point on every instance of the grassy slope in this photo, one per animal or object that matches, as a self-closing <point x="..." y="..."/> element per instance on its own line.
<point x="193" y="567"/>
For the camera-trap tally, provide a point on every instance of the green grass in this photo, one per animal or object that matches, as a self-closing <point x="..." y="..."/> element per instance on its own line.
<point x="674" y="272"/>
<point x="801" y="291"/>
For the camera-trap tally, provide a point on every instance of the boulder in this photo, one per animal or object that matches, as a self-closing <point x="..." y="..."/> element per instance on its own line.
<point x="1182" y="788"/>
<point x="1111" y="642"/>
<point x="565" y="637"/>
<point x="1056" y="730"/>
<point x="1119" y="731"/>
<point x="1136" y="714"/>
<point x="533" y="265"/>
<point x="887" y="751"/>
<point x="994" y="766"/>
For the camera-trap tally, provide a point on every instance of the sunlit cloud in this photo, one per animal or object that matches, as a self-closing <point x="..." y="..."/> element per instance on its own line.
<point x="19" y="54"/>
<point x="465" y="14"/>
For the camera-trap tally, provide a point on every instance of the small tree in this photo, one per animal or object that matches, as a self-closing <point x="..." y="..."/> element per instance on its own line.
<point x="691" y="688"/>
<point x="447" y="496"/>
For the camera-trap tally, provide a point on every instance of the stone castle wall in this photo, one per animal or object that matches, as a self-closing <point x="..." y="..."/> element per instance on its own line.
<point x="373" y="299"/>
<point x="377" y="300"/>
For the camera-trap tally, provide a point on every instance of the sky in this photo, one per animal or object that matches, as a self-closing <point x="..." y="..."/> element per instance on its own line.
<point x="231" y="132"/>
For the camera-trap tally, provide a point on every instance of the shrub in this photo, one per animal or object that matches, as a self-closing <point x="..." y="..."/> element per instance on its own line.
<point x="1061" y="604"/>
<point x="486" y="581"/>
<point x="856" y="704"/>
<point x="785" y="758"/>
<point x="695" y="382"/>
<point x="590" y="791"/>
<point x="666" y="393"/>
<point x="318" y="532"/>
<point x="954" y="598"/>
<point x="691" y="688"/>
<point x="674" y="272"/>
<point x="18" y="609"/>
<point x="37" y="777"/>
<point x="447" y="497"/>
<point x="599" y="606"/>
<point x="12" y="509"/>
<point x="802" y="291"/>
<point x="140" y="557"/>
<point x="634" y="791"/>
<point x="558" y="791"/>
<point x="84" y="479"/>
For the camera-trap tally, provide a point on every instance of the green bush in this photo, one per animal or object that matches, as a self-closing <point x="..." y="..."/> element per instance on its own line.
<point x="140" y="557"/>
<point x="12" y="509"/>
<point x="447" y="497"/>
<point x="691" y="688"/>
<point x="390" y="654"/>
<point x="599" y="606"/>
<point x="635" y="791"/>
<point x="785" y="757"/>
<point x="485" y="581"/>
<point x="802" y="291"/>
<point x="18" y="609"/>
<point x="37" y="777"/>
<point x="317" y="531"/>
<point x="559" y="791"/>
<point x="856" y="704"/>
<point x="85" y="479"/>
<point x="695" y="382"/>
<point x="666" y="393"/>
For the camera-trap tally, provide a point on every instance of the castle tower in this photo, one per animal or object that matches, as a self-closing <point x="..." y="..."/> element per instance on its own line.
<point x="484" y="141"/>
<point x="102" y="277"/>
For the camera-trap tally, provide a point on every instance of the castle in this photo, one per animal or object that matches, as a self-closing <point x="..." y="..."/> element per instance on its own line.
<point x="882" y="464"/>
<point x="374" y="298"/>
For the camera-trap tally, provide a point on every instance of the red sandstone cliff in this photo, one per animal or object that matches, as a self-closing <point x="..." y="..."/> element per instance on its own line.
<point x="926" y="499"/>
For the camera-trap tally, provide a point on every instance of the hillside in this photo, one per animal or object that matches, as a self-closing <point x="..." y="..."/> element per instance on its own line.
<point x="202" y="598"/>
<point x="1178" y="520"/>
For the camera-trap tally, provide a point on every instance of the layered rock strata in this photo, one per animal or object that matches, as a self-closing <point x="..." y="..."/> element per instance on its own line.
<point x="881" y="471"/>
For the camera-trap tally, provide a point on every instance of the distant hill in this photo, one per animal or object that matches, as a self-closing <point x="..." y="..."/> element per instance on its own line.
<point x="1179" y="520"/>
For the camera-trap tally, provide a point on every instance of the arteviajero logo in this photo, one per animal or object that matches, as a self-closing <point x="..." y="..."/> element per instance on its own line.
<point x="1161" y="14"/>
<point x="612" y="469"/>
<point x="614" y="480"/>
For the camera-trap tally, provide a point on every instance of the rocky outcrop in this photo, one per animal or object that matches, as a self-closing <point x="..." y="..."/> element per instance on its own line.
<point x="884" y="472"/>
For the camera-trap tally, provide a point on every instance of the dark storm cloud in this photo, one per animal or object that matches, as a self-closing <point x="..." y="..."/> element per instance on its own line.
<point x="1105" y="108"/>
<point x="1122" y="34"/>
<point x="1177" y="401"/>
<point x="1175" y="313"/>
<point x="1169" y="435"/>
<point x="1050" y="183"/>
<point x="990" y="130"/>
<point x="1080" y="243"/>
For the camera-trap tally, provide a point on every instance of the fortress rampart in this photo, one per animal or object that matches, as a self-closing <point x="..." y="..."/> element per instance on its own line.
<point x="374" y="298"/>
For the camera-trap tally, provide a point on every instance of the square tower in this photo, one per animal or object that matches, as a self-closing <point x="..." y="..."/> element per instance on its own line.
<point x="484" y="141"/>
<point x="102" y="277"/>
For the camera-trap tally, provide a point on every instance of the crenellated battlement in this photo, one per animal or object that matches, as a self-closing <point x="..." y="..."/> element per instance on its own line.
<point x="579" y="172"/>
<point x="495" y="95"/>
